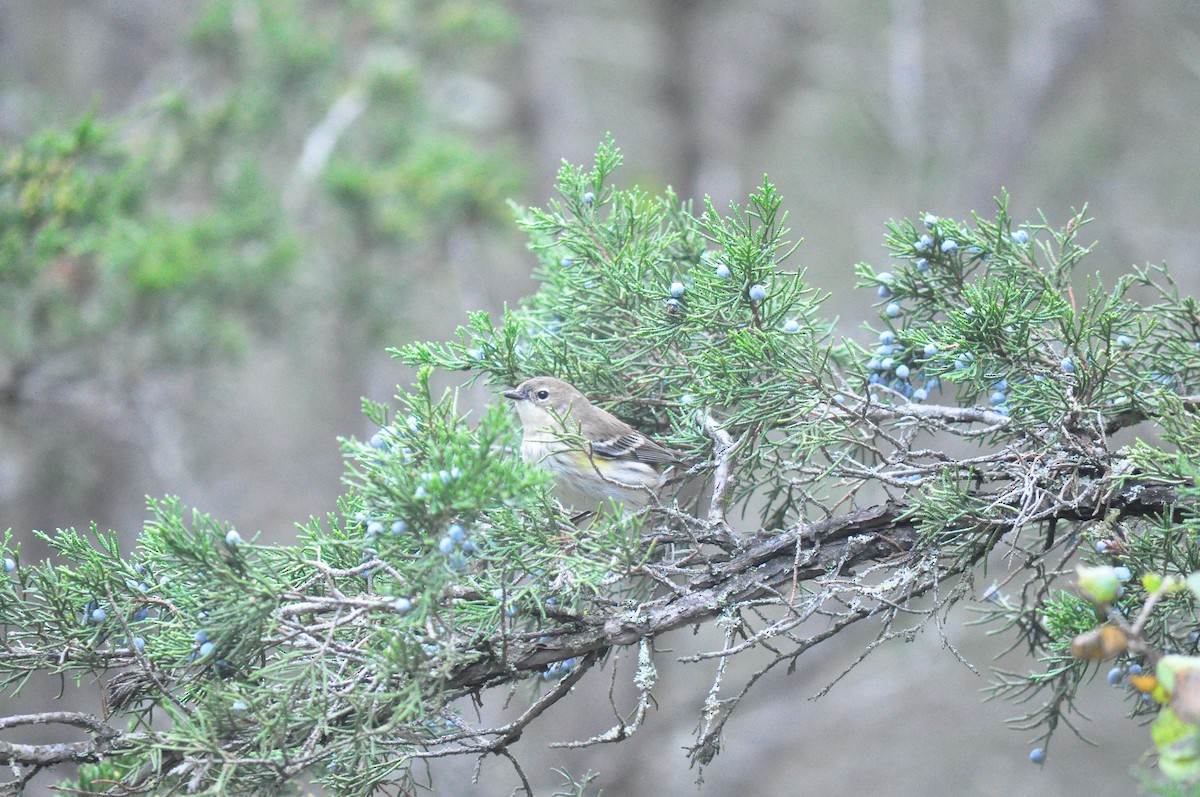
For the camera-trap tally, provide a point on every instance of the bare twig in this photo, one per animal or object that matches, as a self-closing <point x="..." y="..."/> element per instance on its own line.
<point x="724" y="452"/>
<point x="320" y="143"/>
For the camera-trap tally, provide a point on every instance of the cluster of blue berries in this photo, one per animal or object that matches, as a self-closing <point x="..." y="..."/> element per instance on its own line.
<point x="757" y="293"/>
<point x="885" y="284"/>
<point x="391" y="438"/>
<point x="936" y="239"/>
<point x="93" y="613"/>
<point x="429" y="640"/>
<point x="1117" y="675"/>
<point x="674" y="303"/>
<point x="439" y="478"/>
<point x="557" y="670"/>
<point x="926" y="242"/>
<point x="376" y="528"/>
<point x="204" y="647"/>
<point x="998" y="395"/>
<point x="998" y="398"/>
<point x="96" y="615"/>
<point x="457" y="547"/>
<point x="510" y="608"/>
<point x="924" y="245"/>
<point x="893" y="366"/>
<point x="884" y="291"/>
<point x="139" y="586"/>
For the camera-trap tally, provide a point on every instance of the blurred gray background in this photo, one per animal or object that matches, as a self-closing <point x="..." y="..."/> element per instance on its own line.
<point x="859" y="111"/>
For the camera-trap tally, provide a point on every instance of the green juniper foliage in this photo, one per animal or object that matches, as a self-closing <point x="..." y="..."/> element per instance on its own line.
<point x="826" y="481"/>
<point x="358" y="108"/>
<point x="167" y="236"/>
<point x="89" y="266"/>
<point x="314" y="137"/>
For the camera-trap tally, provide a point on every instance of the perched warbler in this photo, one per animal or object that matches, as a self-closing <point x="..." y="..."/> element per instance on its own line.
<point x="592" y="454"/>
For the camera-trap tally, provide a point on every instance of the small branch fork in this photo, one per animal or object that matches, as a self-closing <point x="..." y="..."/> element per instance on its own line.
<point x="725" y="454"/>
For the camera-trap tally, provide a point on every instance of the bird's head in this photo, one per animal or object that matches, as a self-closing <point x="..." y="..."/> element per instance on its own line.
<point x="544" y="397"/>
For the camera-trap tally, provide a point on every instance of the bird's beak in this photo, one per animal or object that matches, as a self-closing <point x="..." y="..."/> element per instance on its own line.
<point x="515" y="395"/>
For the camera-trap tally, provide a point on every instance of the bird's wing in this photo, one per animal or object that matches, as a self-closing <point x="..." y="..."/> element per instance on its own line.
<point x="635" y="445"/>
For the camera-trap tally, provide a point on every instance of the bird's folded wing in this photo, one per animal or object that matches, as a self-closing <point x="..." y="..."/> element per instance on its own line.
<point x="633" y="445"/>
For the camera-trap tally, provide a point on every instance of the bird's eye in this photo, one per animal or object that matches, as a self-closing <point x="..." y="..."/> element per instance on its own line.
<point x="543" y="394"/>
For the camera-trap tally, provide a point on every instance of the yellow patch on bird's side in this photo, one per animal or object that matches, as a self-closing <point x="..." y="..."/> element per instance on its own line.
<point x="583" y="481"/>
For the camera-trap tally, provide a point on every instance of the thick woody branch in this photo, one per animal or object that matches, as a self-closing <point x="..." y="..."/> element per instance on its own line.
<point x="836" y="543"/>
<point x="830" y="546"/>
<point x="44" y="755"/>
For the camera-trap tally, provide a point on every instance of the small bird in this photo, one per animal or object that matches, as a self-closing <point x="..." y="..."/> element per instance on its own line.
<point x="592" y="454"/>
